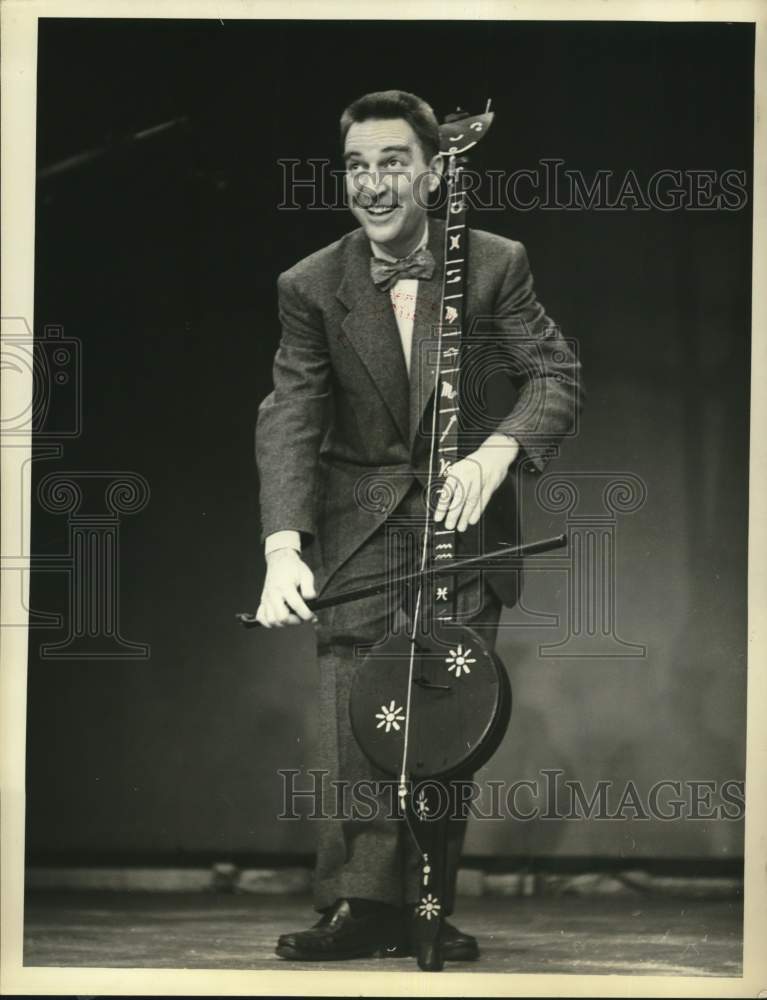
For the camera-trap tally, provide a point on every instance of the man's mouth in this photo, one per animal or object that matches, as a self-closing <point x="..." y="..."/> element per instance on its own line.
<point x="380" y="211"/>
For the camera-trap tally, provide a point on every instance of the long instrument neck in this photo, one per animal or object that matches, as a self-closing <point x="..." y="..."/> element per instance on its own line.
<point x="449" y="330"/>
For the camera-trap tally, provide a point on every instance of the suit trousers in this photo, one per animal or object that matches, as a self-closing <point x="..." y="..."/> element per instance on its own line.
<point x="370" y="854"/>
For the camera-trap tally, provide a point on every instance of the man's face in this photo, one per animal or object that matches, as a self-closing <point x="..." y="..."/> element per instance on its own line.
<point x="387" y="181"/>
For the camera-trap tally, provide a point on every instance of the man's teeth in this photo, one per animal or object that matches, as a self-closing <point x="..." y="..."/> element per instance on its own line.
<point x="381" y="209"/>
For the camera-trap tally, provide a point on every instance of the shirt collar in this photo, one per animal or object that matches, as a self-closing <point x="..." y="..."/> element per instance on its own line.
<point x="378" y="252"/>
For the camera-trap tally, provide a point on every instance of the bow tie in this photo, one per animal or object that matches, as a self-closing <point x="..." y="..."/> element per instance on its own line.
<point x="419" y="264"/>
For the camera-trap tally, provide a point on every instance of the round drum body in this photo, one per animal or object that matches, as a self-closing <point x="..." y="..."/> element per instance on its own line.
<point x="460" y="704"/>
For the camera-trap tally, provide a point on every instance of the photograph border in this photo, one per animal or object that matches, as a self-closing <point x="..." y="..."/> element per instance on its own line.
<point x="18" y="62"/>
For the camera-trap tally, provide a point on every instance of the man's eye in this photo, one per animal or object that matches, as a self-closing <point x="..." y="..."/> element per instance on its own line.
<point x="394" y="162"/>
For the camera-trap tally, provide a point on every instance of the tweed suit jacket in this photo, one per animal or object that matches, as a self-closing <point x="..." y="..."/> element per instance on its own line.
<point x="345" y="431"/>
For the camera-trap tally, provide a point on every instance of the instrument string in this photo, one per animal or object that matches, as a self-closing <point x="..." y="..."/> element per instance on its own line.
<point x="424" y="555"/>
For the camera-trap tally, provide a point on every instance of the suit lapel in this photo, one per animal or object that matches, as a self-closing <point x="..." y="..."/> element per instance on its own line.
<point x="423" y="354"/>
<point x="372" y="330"/>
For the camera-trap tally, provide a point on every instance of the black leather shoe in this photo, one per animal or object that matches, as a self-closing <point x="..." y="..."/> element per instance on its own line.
<point x="456" y="946"/>
<point x="340" y="935"/>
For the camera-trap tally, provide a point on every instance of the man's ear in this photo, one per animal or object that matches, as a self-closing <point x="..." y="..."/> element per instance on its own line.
<point x="436" y="169"/>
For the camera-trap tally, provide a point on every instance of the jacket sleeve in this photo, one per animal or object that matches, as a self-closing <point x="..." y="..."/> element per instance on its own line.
<point x="543" y="366"/>
<point x="292" y="419"/>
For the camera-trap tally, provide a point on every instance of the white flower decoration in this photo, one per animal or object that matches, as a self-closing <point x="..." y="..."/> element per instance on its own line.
<point x="390" y="717"/>
<point x="421" y="805"/>
<point x="459" y="660"/>
<point x="429" y="906"/>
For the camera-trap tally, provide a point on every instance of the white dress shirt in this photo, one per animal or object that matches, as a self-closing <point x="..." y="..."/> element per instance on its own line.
<point x="403" y="294"/>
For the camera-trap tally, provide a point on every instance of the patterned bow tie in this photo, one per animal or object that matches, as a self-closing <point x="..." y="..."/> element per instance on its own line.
<point x="419" y="264"/>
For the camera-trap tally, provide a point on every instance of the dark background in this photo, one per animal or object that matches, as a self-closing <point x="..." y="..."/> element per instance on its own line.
<point x="160" y="255"/>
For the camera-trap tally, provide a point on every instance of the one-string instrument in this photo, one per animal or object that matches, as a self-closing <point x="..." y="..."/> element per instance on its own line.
<point x="441" y="685"/>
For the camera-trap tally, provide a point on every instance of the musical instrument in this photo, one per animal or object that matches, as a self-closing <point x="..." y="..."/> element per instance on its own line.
<point x="433" y="704"/>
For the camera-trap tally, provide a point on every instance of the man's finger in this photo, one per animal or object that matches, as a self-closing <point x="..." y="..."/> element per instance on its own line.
<point x="472" y="506"/>
<point x="484" y="500"/>
<point x="458" y="505"/>
<point x="445" y="495"/>
<point x="272" y="615"/>
<point x="296" y="603"/>
<point x="306" y="584"/>
<point x="487" y="492"/>
<point x="459" y="492"/>
<point x="476" y="514"/>
<point x="461" y="489"/>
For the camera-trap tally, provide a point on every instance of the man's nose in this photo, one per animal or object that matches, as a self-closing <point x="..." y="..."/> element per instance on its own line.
<point x="374" y="182"/>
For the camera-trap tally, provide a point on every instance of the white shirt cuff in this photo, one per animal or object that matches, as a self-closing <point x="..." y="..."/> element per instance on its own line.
<point x="282" y="540"/>
<point x="504" y="442"/>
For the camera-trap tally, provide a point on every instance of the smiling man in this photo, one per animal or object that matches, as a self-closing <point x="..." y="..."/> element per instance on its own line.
<point x="348" y="409"/>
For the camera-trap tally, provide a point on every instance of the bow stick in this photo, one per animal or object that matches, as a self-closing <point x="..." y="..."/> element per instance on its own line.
<point x="249" y="620"/>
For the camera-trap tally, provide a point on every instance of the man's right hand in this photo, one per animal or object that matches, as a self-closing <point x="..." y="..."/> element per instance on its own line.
<point x="289" y="583"/>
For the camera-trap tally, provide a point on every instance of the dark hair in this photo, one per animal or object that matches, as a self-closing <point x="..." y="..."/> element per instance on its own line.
<point x="396" y="104"/>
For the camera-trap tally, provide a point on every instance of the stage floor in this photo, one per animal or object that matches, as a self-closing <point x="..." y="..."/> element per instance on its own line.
<point x="616" y="935"/>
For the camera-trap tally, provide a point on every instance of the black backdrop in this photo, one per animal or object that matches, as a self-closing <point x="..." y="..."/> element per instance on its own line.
<point x="160" y="256"/>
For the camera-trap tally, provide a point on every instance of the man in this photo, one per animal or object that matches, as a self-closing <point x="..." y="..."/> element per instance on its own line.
<point x="349" y="415"/>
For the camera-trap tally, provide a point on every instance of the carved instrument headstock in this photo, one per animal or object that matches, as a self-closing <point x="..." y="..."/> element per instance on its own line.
<point x="461" y="131"/>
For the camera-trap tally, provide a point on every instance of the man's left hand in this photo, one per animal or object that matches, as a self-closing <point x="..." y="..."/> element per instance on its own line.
<point x="471" y="482"/>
